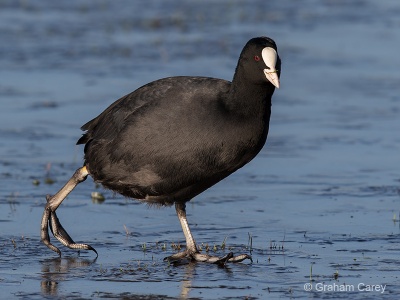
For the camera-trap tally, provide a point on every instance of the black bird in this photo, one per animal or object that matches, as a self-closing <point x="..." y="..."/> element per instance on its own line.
<point x="173" y="138"/>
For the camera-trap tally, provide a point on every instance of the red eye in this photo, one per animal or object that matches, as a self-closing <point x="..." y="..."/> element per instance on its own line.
<point x="256" y="58"/>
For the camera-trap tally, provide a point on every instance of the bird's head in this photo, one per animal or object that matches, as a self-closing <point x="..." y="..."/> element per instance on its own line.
<point x="261" y="54"/>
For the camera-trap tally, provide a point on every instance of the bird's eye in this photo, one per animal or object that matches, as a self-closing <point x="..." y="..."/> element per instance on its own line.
<point x="256" y="58"/>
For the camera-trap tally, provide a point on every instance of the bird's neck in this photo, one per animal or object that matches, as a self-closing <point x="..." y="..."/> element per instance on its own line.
<point x="249" y="99"/>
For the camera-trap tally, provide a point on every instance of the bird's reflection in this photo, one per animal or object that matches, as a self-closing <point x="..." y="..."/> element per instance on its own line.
<point x="189" y="269"/>
<point x="187" y="280"/>
<point x="55" y="270"/>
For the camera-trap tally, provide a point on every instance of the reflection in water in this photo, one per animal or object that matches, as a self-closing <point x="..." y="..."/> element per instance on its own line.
<point x="188" y="277"/>
<point x="187" y="280"/>
<point x="57" y="269"/>
<point x="12" y="201"/>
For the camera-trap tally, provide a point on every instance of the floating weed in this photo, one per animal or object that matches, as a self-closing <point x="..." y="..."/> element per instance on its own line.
<point x="102" y="270"/>
<point x="176" y="247"/>
<point x="162" y="246"/>
<point x="142" y="267"/>
<point x="223" y="245"/>
<point x="12" y="201"/>
<point x="127" y="232"/>
<point x="97" y="197"/>
<point x="274" y="246"/>
<point x="336" y="275"/>
<point x="395" y="219"/>
<point x="49" y="180"/>
<point x="250" y="243"/>
<point x="144" y="248"/>
<point x="132" y="267"/>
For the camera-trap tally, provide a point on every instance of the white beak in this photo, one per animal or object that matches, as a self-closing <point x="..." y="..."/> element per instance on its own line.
<point x="270" y="57"/>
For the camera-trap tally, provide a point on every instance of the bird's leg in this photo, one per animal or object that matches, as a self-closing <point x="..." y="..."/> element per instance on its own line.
<point x="191" y="248"/>
<point x="181" y="213"/>
<point x="50" y="218"/>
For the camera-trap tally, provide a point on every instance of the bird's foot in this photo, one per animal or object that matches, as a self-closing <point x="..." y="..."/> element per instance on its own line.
<point x="50" y="220"/>
<point x="62" y="235"/>
<point x="199" y="257"/>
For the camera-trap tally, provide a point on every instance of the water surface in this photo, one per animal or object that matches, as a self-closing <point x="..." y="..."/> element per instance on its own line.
<point x="320" y="203"/>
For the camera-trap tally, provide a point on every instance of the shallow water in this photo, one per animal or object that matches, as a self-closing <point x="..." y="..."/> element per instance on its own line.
<point x="322" y="198"/>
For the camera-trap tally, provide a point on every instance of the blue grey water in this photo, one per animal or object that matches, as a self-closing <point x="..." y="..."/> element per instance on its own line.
<point x="320" y="204"/>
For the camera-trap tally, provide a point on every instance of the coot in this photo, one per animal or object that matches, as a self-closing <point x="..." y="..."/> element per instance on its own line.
<point x="173" y="138"/>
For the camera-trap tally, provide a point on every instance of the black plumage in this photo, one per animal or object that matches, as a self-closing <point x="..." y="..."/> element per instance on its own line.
<point x="173" y="138"/>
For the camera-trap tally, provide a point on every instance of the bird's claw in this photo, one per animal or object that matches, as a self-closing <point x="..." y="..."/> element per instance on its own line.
<point x="62" y="235"/>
